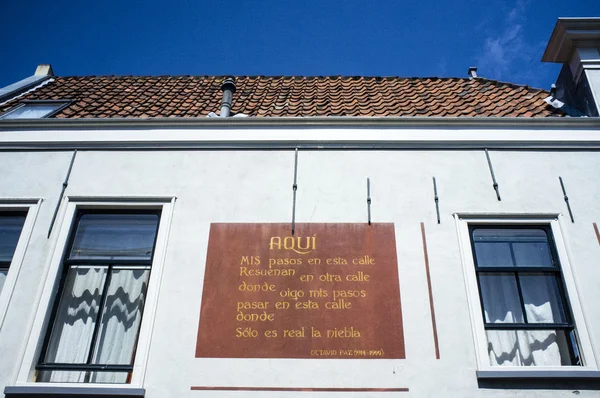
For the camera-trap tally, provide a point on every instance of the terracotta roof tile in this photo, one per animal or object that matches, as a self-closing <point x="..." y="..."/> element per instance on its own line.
<point x="290" y="96"/>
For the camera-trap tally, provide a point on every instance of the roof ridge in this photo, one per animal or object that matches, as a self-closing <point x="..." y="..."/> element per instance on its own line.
<point x="516" y="85"/>
<point x="309" y="77"/>
<point x="379" y="77"/>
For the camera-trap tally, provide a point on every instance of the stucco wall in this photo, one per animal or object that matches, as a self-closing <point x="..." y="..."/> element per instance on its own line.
<point x="256" y="186"/>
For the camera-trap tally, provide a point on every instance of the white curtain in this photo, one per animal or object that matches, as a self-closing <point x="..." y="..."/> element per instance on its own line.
<point x="75" y="321"/>
<point x="120" y="322"/>
<point x="542" y="305"/>
<point x="527" y="348"/>
<point x="542" y="299"/>
<point x="500" y="298"/>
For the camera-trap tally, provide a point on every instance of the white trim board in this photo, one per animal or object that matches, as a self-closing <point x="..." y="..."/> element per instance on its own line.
<point x="310" y="138"/>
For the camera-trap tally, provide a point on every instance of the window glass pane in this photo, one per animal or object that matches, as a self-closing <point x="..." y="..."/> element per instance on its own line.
<point x="121" y="317"/>
<point x="533" y="254"/>
<point x="10" y="230"/>
<point x="493" y="254"/>
<point x="70" y="376"/>
<point x="109" y="377"/>
<point x="60" y="376"/>
<point x="506" y="247"/>
<point x="32" y="111"/>
<point x="71" y="336"/>
<point x="3" y="273"/>
<point x="115" y="236"/>
<point x="500" y="297"/>
<point x="528" y="348"/>
<point x="542" y="298"/>
<point x="572" y="336"/>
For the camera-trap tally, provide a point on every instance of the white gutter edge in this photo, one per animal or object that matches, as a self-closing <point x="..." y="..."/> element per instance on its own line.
<point x="265" y="122"/>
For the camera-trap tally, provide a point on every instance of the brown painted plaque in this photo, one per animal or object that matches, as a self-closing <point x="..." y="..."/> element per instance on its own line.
<point x="328" y="291"/>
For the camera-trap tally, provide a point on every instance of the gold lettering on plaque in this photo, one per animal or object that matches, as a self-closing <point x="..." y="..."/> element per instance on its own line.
<point x="294" y="244"/>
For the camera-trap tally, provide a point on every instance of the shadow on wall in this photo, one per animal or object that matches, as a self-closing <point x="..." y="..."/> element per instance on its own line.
<point x="540" y="384"/>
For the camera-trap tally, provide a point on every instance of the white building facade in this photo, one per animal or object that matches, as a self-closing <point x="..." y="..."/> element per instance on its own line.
<point x="112" y="262"/>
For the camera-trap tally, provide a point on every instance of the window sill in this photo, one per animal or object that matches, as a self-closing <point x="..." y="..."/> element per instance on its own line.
<point x="61" y="391"/>
<point x="539" y="374"/>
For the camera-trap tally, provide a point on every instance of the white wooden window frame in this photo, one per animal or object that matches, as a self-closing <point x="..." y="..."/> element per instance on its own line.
<point x="484" y="368"/>
<point x="26" y="372"/>
<point x="31" y="207"/>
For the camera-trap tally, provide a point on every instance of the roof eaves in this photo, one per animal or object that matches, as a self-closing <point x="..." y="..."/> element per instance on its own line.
<point x="314" y="121"/>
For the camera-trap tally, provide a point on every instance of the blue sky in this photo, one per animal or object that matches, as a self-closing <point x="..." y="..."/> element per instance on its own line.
<point x="505" y="39"/>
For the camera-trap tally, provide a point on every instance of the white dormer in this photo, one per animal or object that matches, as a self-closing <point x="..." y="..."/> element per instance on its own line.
<point x="575" y="43"/>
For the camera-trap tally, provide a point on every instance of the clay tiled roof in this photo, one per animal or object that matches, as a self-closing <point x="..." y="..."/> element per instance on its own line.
<point x="261" y="96"/>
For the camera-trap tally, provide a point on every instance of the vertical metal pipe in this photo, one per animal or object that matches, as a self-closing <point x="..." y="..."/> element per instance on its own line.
<point x="62" y="192"/>
<point x="597" y="232"/>
<point x="294" y="188"/>
<point x="435" y="197"/>
<point x="495" y="184"/>
<point x="431" y="306"/>
<point x="369" y="200"/>
<point x="562" y="185"/>
<point x="228" y="88"/>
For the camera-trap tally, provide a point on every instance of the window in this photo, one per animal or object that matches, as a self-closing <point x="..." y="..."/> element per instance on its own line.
<point x="17" y="219"/>
<point x="11" y="224"/>
<point x="94" y="325"/>
<point x="527" y="320"/>
<point x="35" y="110"/>
<point x="526" y="314"/>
